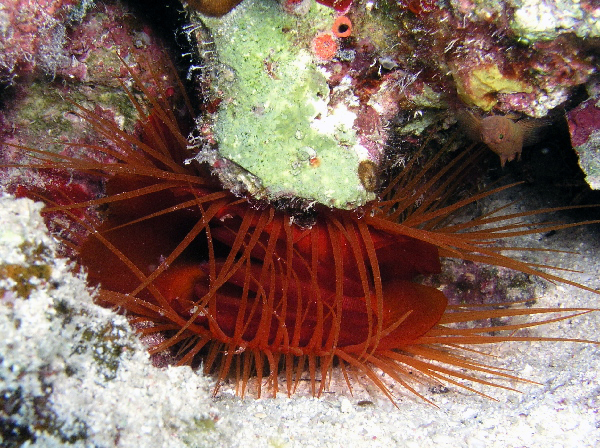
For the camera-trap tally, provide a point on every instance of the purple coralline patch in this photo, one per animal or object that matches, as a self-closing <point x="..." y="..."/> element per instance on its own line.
<point x="583" y="121"/>
<point x="584" y="126"/>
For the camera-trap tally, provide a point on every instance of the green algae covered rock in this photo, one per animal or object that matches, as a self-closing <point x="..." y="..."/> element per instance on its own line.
<point x="275" y="119"/>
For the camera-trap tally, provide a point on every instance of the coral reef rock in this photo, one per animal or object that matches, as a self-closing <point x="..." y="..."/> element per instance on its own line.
<point x="42" y="112"/>
<point x="73" y="373"/>
<point x="294" y="108"/>
<point x="278" y="116"/>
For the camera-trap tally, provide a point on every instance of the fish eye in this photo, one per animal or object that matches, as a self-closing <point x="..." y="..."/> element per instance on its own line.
<point x="501" y="136"/>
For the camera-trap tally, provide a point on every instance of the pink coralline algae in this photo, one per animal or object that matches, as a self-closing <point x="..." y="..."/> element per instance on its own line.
<point x="584" y="126"/>
<point x="33" y="34"/>
<point x="61" y="39"/>
<point x="584" y="121"/>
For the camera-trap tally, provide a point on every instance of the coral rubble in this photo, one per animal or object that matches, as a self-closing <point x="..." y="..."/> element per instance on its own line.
<point x="73" y="373"/>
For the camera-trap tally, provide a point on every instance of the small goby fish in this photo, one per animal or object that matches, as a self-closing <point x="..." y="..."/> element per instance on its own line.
<point x="503" y="135"/>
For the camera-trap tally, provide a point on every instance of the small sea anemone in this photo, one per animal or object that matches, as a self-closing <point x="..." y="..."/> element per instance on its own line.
<point x="239" y="286"/>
